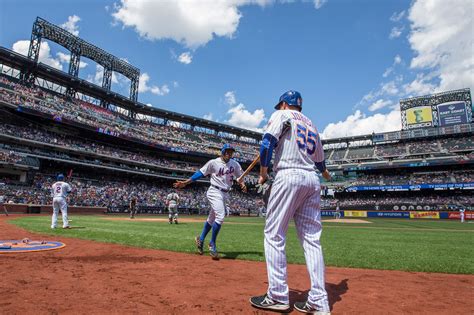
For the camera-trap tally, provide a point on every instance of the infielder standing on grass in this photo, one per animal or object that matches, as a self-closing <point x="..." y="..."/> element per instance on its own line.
<point x="172" y="201"/>
<point x="295" y="194"/>
<point x="59" y="192"/>
<point x="223" y="171"/>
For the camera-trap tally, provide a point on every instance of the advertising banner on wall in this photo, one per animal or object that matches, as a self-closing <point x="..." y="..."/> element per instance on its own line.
<point x="424" y="215"/>
<point x="452" y="113"/>
<point x="355" y="213"/>
<point x="388" y="214"/>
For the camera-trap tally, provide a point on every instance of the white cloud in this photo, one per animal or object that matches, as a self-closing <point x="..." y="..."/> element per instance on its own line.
<point x="208" y="116"/>
<point x="361" y="124"/>
<point x="71" y="25"/>
<point x="397" y="60"/>
<point x="99" y="74"/>
<point x="45" y="57"/>
<point x="389" y="88"/>
<point x="441" y="37"/>
<point x="241" y="117"/>
<point x="230" y="98"/>
<point x="64" y="58"/>
<point x="395" y="32"/>
<point x="144" y="87"/>
<point x="397" y="16"/>
<point x="420" y="86"/>
<point x="319" y="3"/>
<point x="387" y="72"/>
<point x="185" y="58"/>
<point x="192" y="23"/>
<point x="175" y="84"/>
<point x="381" y="103"/>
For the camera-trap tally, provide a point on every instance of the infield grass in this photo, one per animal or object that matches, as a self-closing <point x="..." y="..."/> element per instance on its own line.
<point x="390" y="244"/>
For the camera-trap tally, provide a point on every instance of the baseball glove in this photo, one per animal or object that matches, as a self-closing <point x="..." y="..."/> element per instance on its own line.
<point x="265" y="190"/>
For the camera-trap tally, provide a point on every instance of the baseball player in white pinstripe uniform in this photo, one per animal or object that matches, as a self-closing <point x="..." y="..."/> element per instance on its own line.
<point x="59" y="192"/>
<point x="223" y="171"/>
<point x="295" y="194"/>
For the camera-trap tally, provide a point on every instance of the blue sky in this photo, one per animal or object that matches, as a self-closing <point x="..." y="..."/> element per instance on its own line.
<point x="230" y="60"/>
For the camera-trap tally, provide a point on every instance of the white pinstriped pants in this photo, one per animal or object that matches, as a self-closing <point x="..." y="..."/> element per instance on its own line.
<point x="217" y="200"/>
<point x="295" y="194"/>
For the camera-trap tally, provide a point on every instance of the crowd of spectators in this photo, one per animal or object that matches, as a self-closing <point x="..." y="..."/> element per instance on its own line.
<point x="87" y="145"/>
<point x="116" y="194"/>
<point x="10" y="157"/>
<point x="113" y="123"/>
<point x="428" y="202"/>
<point x="439" y="177"/>
<point x="177" y="138"/>
<point x="438" y="147"/>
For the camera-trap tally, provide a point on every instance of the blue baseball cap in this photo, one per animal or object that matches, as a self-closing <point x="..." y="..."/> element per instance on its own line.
<point x="292" y="98"/>
<point x="227" y="146"/>
<point x="60" y="177"/>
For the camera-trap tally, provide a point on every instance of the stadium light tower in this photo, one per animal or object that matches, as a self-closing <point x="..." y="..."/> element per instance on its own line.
<point x="80" y="48"/>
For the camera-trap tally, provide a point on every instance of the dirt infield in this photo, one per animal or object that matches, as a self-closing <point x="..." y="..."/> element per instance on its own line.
<point x="91" y="277"/>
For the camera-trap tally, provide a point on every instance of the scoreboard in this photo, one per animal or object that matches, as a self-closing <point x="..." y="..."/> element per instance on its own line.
<point x="437" y="110"/>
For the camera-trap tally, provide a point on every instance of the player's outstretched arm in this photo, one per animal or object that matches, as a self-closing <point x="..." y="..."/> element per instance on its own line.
<point x="183" y="183"/>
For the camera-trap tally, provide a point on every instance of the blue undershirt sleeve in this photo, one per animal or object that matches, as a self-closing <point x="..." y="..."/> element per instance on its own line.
<point x="266" y="149"/>
<point x="321" y="166"/>
<point x="197" y="176"/>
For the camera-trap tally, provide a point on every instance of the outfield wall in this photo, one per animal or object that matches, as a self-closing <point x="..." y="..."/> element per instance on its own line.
<point x="453" y="215"/>
<point x="48" y="209"/>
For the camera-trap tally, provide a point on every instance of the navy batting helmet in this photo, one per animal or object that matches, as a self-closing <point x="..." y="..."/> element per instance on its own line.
<point x="227" y="146"/>
<point x="292" y="98"/>
<point x="60" y="177"/>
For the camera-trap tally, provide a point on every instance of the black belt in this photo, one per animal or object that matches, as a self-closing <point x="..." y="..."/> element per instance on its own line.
<point x="221" y="189"/>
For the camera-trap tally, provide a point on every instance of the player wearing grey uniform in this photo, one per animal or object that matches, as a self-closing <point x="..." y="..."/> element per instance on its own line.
<point x="337" y="213"/>
<point x="2" y="204"/>
<point x="59" y="192"/>
<point x="133" y="206"/>
<point x="223" y="171"/>
<point x="295" y="194"/>
<point x="172" y="201"/>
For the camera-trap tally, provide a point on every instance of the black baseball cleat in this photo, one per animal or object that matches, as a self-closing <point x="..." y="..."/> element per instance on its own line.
<point x="175" y="221"/>
<point x="265" y="303"/>
<point x="304" y="307"/>
<point x="199" y="245"/>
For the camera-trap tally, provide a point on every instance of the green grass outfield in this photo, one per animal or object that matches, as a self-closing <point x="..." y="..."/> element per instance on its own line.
<point x="390" y="244"/>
